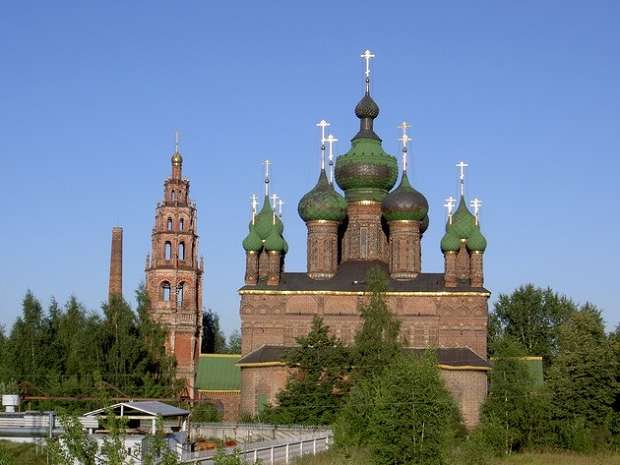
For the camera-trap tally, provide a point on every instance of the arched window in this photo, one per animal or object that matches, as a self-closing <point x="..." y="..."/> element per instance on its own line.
<point x="169" y="224"/>
<point x="167" y="250"/>
<point x="165" y="291"/>
<point x="174" y="196"/>
<point x="181" y="224"/>
<point x="180" y="292"/>
<point x="181" y="254"/>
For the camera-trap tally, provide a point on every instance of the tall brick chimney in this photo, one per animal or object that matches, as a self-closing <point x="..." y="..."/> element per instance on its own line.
<point x="116" y="263"/>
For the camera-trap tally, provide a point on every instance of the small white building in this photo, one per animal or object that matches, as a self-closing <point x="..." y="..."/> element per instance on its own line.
<point x="141" y="425"/>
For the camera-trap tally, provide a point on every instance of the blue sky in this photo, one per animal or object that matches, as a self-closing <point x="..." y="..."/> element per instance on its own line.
<point x="526" y="92"/>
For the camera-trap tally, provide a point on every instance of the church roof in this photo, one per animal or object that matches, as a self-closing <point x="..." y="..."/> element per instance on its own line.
<point x="456" y="357"/>
<point x="351" y="277"/>
<point x="218" y="372"/>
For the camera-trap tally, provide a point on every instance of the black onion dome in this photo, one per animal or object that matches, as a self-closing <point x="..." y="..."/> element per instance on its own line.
<point x="322" y="202"/>
<point x="405" y="203"/>
<point x="367" y="108"/>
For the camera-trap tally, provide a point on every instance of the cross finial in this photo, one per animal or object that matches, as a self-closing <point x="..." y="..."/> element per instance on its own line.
<point x="331" y="140"/>
<point x="267" y="163"/>
<point x="367" y="56"/>
<point x="274" y="203"/>
<point x="461" y="166"/>
<point x="254" y="207"/>
<point x="405" y="139"/>
<point x="450" y="202"/>
<point x="322" y="124"/>
<point x="280" y="203"/>
<point x="176" y="141"/>
<point x="476" y="204"/>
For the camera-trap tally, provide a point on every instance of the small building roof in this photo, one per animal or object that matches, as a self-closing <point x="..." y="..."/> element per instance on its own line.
<point x="150" y="407"/>
<point x="218" y="372"/>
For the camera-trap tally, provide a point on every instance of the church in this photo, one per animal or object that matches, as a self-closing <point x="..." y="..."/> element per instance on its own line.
<point x="371" y="224"/>
<point x="356" y="220"/>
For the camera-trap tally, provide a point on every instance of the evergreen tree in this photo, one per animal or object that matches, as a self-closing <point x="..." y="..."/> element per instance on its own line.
<point x="233" y="346"/>
<point x="583" y="377"/>
<point x="28" y="343"/>
<point x="213" y="339"/>
<point x="532" y="316"/>
<point x="314" y="393"/>
<point x="377" y="341"/>
<point x="375" y="346"/>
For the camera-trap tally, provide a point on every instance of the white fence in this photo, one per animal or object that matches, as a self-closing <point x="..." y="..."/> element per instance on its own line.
<point x="275" y="453"/>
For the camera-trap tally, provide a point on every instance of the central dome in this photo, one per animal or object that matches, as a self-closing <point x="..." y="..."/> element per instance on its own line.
<point x="366" y="171"/>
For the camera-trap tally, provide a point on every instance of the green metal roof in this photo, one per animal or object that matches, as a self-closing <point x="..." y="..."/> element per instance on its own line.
<point x="218" y="372"/>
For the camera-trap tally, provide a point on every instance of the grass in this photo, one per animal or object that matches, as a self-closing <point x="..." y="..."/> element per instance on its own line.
<point x="528" y="458"/>
<point x="12" y="453"/>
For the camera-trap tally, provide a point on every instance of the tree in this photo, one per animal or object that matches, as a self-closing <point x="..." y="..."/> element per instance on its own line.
<point x="515" y="413"/>
<point x="411" y="413"/>
<point x="377" y="341"/>
<point x="233" y="346"/>
<point x="532" y="316"/>
<point x="314" y="393"/>
<point x="26" y="342"/>
<point x="583" y="378"/>
<point x="376" y="345"/>
<point x="213" y="339"/>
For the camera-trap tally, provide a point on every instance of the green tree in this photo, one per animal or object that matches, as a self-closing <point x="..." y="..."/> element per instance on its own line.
<point x="515" y="414"/>
<point x="583" y="378"/>
<point x="411" y="413"/>
<point x="376" y="345"/>
<point x="532" y="316"/>
<point x="213" y="339"/>
<point x="314" y="393"/>
<point x="233" y="345"/>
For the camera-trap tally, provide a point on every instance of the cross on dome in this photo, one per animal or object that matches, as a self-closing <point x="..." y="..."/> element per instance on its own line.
<point x="367" y="56"/>
<point x="404" y="126"/>
<point x="274" y="205"/>
<point x="331" y="140"/>
<point x="254" y="204"/>
<point x="476" y="204"/>
<point x="461" y="166"/>
<point x="280" y="203"/>
<point x="449" y="205"/>
<point x="323" y="124"/>
<point x="266" y="163"/>
<point x="176" y="141"/>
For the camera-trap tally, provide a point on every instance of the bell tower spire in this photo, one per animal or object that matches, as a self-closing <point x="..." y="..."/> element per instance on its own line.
<point x="174" y="273"/>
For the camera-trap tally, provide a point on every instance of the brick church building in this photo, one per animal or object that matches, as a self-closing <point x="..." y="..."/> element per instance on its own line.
<point x="372" y="225"/>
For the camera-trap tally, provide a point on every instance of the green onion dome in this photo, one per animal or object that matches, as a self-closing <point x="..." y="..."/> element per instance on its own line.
<point x="405" y="203"/>
<point x="476" y="242"/>
<point x="274" y="242"/>
<point x="263" y="221"/>
<point x="252" y="242"/>
<point x="463" y="222"/>
<point x="322" y="202"/>
<point x="424" y="224"/>
<point x="450" y="242"/>
<point x="366" y="171"/>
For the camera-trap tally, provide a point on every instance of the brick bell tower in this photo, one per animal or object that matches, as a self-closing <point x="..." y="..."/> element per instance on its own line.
<point x="174" y="273"/>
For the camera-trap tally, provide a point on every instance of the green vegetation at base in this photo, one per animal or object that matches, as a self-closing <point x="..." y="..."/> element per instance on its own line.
<point x="12" y="453"/>
<point x="73" y="353"/>
<point x="526" y="458"/>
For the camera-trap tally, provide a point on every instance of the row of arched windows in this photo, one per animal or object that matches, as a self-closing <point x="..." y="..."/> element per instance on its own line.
<point x="176" y="195"/>
<point x="168" y="251"/>
<point x="179" y="292"/>
<point x="169" y="224"/>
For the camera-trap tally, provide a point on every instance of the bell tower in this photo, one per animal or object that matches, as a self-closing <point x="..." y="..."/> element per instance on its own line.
<point x="174" y="273"/>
